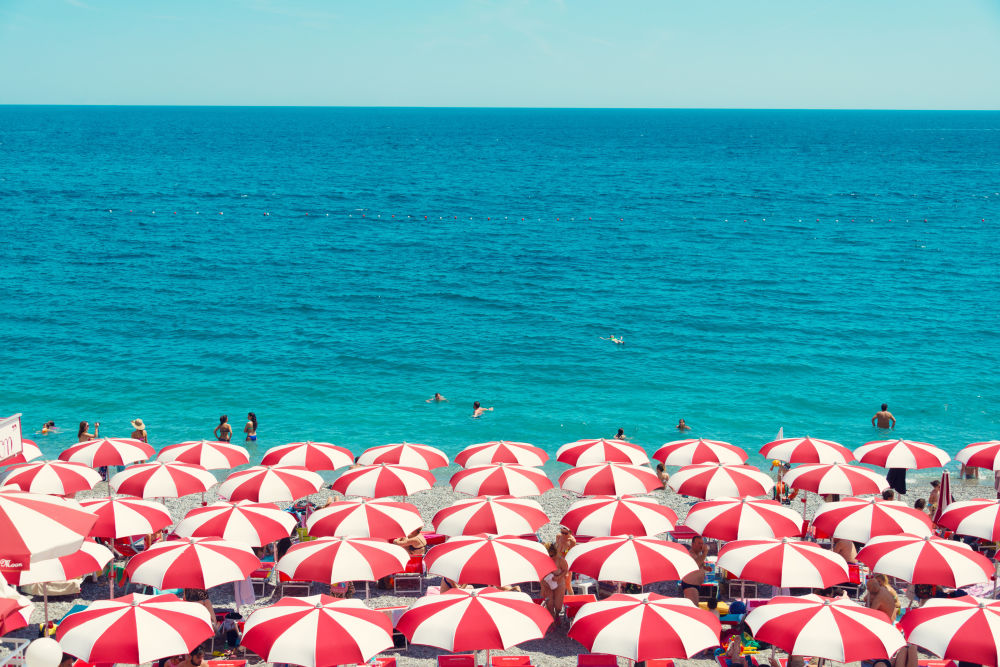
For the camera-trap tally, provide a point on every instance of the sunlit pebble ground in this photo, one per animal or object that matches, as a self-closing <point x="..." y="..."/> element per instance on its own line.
<point x="555" y="650"/>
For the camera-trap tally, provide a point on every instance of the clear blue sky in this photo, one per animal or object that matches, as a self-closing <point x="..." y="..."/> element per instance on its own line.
<point x="922" y="54"/>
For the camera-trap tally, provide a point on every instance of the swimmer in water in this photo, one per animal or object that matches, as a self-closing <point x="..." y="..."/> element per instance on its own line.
<point x="681" y="426"/>
<point x="436" y="398"/>
<point x="883" y="419"/>
<point x="478" y="410"/>
<point x="49" y="427"/>
<point x="251" y="427"/>
<point x="616" y="341"/>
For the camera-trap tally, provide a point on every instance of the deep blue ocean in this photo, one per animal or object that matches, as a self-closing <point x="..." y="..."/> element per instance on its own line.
<point x="331" y="268"/>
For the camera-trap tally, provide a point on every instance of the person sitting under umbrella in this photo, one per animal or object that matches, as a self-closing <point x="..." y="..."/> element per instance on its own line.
<point x="414" y="543"/>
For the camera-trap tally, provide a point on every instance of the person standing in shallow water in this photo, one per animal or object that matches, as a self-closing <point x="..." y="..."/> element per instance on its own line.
<point x="884" y="419"/>
<point x="478" y="410"/>
<point x="223" y="432"/>
<point x="251" y="428"/>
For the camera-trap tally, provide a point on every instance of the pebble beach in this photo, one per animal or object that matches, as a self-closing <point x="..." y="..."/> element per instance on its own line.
<point x="555" y="650"/>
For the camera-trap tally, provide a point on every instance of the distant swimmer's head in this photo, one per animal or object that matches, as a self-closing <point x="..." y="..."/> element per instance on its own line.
<point x="83" y="429"/>
<point x="936" y="483"/>
<point x="49" y="424"/>
<point x="223" y="419"/>
<point x="621" y="432"/>
<point x="885" y="406"/>
<point x="475" y="405"/>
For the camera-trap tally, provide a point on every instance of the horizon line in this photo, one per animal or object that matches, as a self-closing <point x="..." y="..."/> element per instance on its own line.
<point x="512" y="108"/>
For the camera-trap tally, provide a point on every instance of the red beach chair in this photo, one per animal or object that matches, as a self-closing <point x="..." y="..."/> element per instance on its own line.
<point x="596" y="660"/>
<point x="510" y="660"/>
<point x="572" y="603"/>
<point x="457" y="660"/>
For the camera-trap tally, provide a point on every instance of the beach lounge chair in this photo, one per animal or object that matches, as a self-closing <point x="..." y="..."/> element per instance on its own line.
<point x="384" y="661"/>
<point x="226" y="663"/>
<point x="596" y="660"/>
<point x="457" y="660"/>
<point x="937" y="663"/>
<point x="288" y="586"/>
<point x="510" y="660"/>
<point x="572" y="603"/>
<point x="657" y="662"/>
<point x="411" y="579"/>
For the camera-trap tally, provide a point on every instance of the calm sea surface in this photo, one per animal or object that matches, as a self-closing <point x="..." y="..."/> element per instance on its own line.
<point x="766" y="269"/>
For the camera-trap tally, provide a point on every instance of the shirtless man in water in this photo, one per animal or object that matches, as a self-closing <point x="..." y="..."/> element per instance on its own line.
<point x="883" y="418"/>
<point x="691" y="582"/>
<point x="478" y="410"/>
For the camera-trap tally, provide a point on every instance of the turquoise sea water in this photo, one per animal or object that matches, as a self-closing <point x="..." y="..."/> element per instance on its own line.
<point x="766" y="268"/>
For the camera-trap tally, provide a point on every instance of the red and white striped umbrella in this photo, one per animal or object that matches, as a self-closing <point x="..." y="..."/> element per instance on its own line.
<point x="807" y="450"/>
<point x="92" y="557"/>
<point x="833" y="628"/>
<point x="108" y="452"/>
<point x="406" y="454"/>
<point x="610" y="479"/>
<point x="784" y="562"/>
<point x="981" y="455"/>
<point x="59" y="478"/>
<point x="489" y="560"/>
<point x="594" y="452"/>
<point x="497" y="515"/>
<point x="645" y="627"/>
<point x="311" y="455"/>
<point x="335" y="559"/>
<point x="944" y="496"/>
<point x="699" y="450"/>
<point x="978" y="518"/>
<point x="125" y="516"/>
<point x="860" y="519"/>
<point x="163" y="480"/>
<point x="270" y="484"/>
<point x="637" y="560"/>
<point x="963" y="628"/>
<point x="37" y="527"/>
<point x="501" y="451"/>
<point x="317" y="631"/>
<point x="603" y="516"/>
<point x="363" y="517"/>
<point x="134" y="629"/>
<point x="15" y="613"/>
<point x="29" y="452"/>
<point x="718" y="480"/>
<point x="501" y="479"/>
<point x="192" y="562"/>
<point x="743" y="518"/>
<point x="840" y="478"/>
<point x="474" y="620"/>
<point x="243" y="522"/>
<point x="926" y="560"/>
<point x="208" y="454"/>
<point x="901" y="454"/>
<point x="379" y="481"/>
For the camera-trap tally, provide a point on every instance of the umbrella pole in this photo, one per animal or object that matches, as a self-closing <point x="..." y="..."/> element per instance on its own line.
<point x="45" y="597"/>
<point x="996" y="573"/>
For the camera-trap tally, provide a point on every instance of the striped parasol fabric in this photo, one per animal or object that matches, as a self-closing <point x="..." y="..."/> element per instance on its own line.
<point x="498" y="515"/>
<point x="59" y="478"/>
<point x="603" y="516"/>
<point x="962" y="628"/>
<point x="474" y="620"/>
<point x="645" y="627"/>
<point x="489" y="559"/>
<point x="944" y="496"/>
<point x="839" y="478"/>
<point x="718" y="480"/>
<point x="37" y="527"/>
<point x="926" y="560"/>
<point x="29" y="452"/>
<point x="382" y="480"/>
<point x="336" y="559"/>
<point x="807" y="450"/>
<point x="108" y="452"/>
<point x="162" y="480"/>
<point x="501" y="479"/>
<point x="637" y="560"/>
<point x="91" y="557"/>
<point x="594" y="452"/>
<point x="192" y="562"/>
<point x="832" y="628"/>
<point x="610" y="479"/>
<point x="243" y="522"/>
<point x="270" y="484"/>
<point x="743" y="518"/>
<point x="784" y="562"/>
<point x="317" y="631"/>
<point x="501" y="451"/>
<point x="125" y="516"/>
<point x="901" y="454"/>
<point x="406" y="454"/>
<point x="699" y="450"/>
<point x="861" y="519"/>
<point x="311" y="455"/>
<point x="978" y="518"/>
<point x="208" y="454"/>
<point x="364" y="517"/>
<point x="134" y="629"/>
<point x="981" y="455"/>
